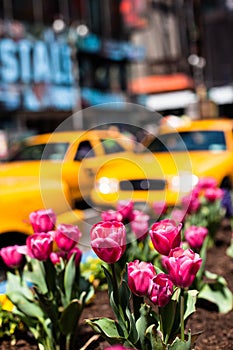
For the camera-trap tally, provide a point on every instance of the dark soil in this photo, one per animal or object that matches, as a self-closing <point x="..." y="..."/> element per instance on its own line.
<point x="216" y="328"/>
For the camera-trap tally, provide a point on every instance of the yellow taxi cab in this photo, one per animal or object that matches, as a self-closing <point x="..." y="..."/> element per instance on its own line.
<point x="170" y="165"/>
<point x="53" y="171"/>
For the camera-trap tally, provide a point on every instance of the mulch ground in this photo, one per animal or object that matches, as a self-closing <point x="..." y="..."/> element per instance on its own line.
<point x="216" y="328"/>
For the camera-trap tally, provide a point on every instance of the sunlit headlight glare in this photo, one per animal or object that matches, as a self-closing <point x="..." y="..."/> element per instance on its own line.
<point x="184" y="183"/>
<point x="107" y="185"/>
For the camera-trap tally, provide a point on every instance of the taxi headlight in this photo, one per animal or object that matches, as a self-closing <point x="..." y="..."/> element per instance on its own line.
<point x="107" y="185"/>
<point x="184" y="182"/>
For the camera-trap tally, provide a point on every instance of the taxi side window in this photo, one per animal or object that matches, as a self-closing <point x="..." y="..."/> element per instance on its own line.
<point x="111" y="146"/>
<point x="84" y="150"/>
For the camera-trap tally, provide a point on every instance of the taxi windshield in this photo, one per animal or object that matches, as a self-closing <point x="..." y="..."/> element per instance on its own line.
<point x="189" y="141"/>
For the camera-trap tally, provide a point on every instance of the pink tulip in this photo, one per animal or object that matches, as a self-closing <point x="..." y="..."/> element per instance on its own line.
<point x="42" y="220"/>
<point x="39" y="245"/>
<point x="78" y="255"/>
<point x="67" y="236"/>
<point x="139" y="276"/>
<point x="178" y="215"/>
<point x="125" y="207"/>
<point x="195" y="236"/>
<point x="11" y="257"/>
<point x="111" y="215"/>
<point x="206" y="182"/>
<point x="213" y="194"/>
<point x="159" y="208"/>
<point x="191" y="203"/>
<point x="182" y="266"/>
<point x="108" y="240"/>
<point x="140" y="224"/>
<point x="165" y="235"/>
<point x="161" y="289"/>
<point x="56" y="257"/>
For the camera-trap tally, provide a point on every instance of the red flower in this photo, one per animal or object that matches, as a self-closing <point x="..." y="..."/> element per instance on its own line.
<point x="212" y="194"/>
<point x="39" y="246"/>
<point x="139" y="276"/>
<point x="165" y="235"/>
<point x="111" y="215"/>
<point x="108" y="240"/>
<point x="67" y="236"/>
<point x="161" y="289"/>
<point x="11" y="257"/>
<point x="42" y="220"/>
<point x="125" y="207"/>
<point x="195" y="236"/>
<point x="182" y="266"/>
<point x="78" y="255"/>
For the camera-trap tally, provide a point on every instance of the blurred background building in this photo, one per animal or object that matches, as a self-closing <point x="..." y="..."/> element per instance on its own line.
<point x="62" y="56"/>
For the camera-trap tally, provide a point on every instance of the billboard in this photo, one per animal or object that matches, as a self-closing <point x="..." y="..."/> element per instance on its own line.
<point x="36" y="73"/>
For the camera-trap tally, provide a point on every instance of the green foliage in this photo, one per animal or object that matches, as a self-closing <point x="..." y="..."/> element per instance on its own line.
<point x="49" y="299"/>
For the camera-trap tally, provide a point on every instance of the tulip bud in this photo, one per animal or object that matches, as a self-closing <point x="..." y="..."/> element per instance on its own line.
<point x="56" y="257"/>
<point x="165" y="235"/>
<point x="108" y="240"/>
<point x="195" y="236"/>
<point x="67" y="236"/>
<point x="11" y="257"/>
<point x="42" y="220"/>
<point x="78" y="255"/>
<point x="182" y="266"/>
<point x="39" y="246"/>
<point x="161" y="289"/>
<point x="139" y="276"/>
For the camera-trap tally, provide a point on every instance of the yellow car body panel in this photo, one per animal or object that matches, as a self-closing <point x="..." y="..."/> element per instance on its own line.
<point x="57" y="180"/>
<point x="168" y="166"/>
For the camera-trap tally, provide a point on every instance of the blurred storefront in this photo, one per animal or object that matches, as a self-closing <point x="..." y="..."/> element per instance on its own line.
<point x="61" y="56"/>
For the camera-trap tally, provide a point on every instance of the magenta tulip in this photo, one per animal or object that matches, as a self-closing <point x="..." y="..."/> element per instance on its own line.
<point x="195" y="236"/>
<point x="78" y="255"/>
<point x="67" y="236"/>
<point x="125" y="207"/>
<point x="140" y="224"/>
<point x="206" y="182"/>
<point x="11" y="257"/>
<point x="182" y="266"/>
<point x="161" y="289"/>
<point x="191" y="203"/>
<point x="165" y="235"/>
<point x="42" y="220"/>
<point x="159" y="208"/>
<point x="213" y="194"/>
<point x="108" y="240"/>
<point x="39" y="246"/>
<point x="139" y="276"/>
<point x="56" y="257"/>
<point x="111" y="215"/>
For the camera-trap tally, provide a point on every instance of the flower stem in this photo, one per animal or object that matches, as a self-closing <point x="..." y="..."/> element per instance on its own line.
<point x="115" y="284"/>
<point x="182" y="314"/>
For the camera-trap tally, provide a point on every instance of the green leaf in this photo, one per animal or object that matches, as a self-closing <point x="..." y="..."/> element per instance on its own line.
<point x="69" y="278"/>
<point x="70" y="317"/>
<point x="218" y="294"/>
<point x="155" y="338"/>
<point x="109" y="280"/>
<point x="35" y="273"/>
<point x="178" y="344"/>
<point x="191" y="299"/>
<point x="106" y="327"/>
<point x="143" y="323"/>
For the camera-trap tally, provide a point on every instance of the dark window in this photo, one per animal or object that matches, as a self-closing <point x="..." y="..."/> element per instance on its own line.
<point x="53" y="151"/>
<point x="189" y="141"/>
<point x="85" y="150"/>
